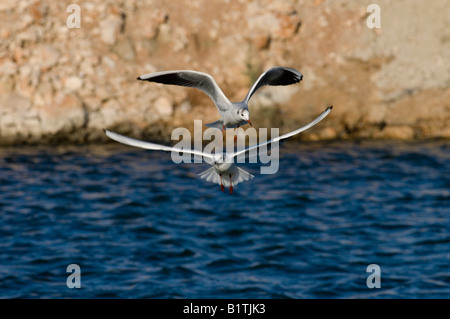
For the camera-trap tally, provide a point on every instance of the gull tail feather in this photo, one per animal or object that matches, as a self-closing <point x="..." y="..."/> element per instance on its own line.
<point x="237" y="177"/>
<point x="243" y="176"/>
<point x="210" y="175"/>
<point x="217" y="124"/>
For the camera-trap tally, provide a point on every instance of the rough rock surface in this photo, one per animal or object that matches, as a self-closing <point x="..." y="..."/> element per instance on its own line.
<point x="61" y="84"/>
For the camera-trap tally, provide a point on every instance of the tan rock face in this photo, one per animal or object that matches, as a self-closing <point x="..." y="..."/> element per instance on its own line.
<point x="63" y="115"/>
<point x="14" y="112"/>
<point x="59" y="84"/>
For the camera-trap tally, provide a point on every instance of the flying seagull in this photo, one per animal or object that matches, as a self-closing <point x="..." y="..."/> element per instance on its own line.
<point x="223" y="171"/>
<point x="231" y="114"/>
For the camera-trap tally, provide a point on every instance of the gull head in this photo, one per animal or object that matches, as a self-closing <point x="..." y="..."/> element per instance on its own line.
<point x="218" y="158"/>
<point x="244" y="114"/>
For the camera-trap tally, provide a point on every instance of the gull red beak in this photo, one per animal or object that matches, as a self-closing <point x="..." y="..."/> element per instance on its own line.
<point x="249" y="122"/>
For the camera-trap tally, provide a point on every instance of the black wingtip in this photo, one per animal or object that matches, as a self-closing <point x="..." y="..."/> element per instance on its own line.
<point x="330" y="107"/>
<point x="104" y="130"/>
<point x="138" y="78"/>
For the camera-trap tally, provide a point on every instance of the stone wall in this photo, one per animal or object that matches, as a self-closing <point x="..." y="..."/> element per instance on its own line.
<point x="60" y="84"/>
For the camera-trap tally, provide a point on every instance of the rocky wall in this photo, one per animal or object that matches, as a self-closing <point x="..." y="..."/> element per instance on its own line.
<point x="64" y="85"/>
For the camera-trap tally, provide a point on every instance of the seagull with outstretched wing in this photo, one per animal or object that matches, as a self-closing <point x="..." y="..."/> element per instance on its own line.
<point x="231" y="114"/>
<point x="223" y="171"/>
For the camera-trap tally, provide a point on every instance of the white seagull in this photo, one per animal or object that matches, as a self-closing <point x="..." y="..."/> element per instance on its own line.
<point x="222" y="163"/>
<point x="231" y="114"/>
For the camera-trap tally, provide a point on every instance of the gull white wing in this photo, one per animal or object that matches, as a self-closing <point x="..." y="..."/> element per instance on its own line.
<point x="284" y="136"/>
<point x="199" y="80"/>
<point x="275" y="76"/>
<point x="152" y="146"/>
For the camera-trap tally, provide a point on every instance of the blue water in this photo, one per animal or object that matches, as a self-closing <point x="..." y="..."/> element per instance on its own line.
<point x="141" y="227"/>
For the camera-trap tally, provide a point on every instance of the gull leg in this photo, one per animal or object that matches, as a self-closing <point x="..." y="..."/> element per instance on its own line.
<point x="223" y="130"/>
<point x="231" y="186"/>
<point x="221" y="185"/>
<point x="235" y="136"/>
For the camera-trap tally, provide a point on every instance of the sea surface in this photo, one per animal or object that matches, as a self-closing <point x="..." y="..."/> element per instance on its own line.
<point x="139" y="226"/>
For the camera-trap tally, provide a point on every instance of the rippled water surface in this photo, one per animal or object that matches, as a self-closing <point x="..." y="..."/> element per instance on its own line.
<point x="141" y="227"/>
